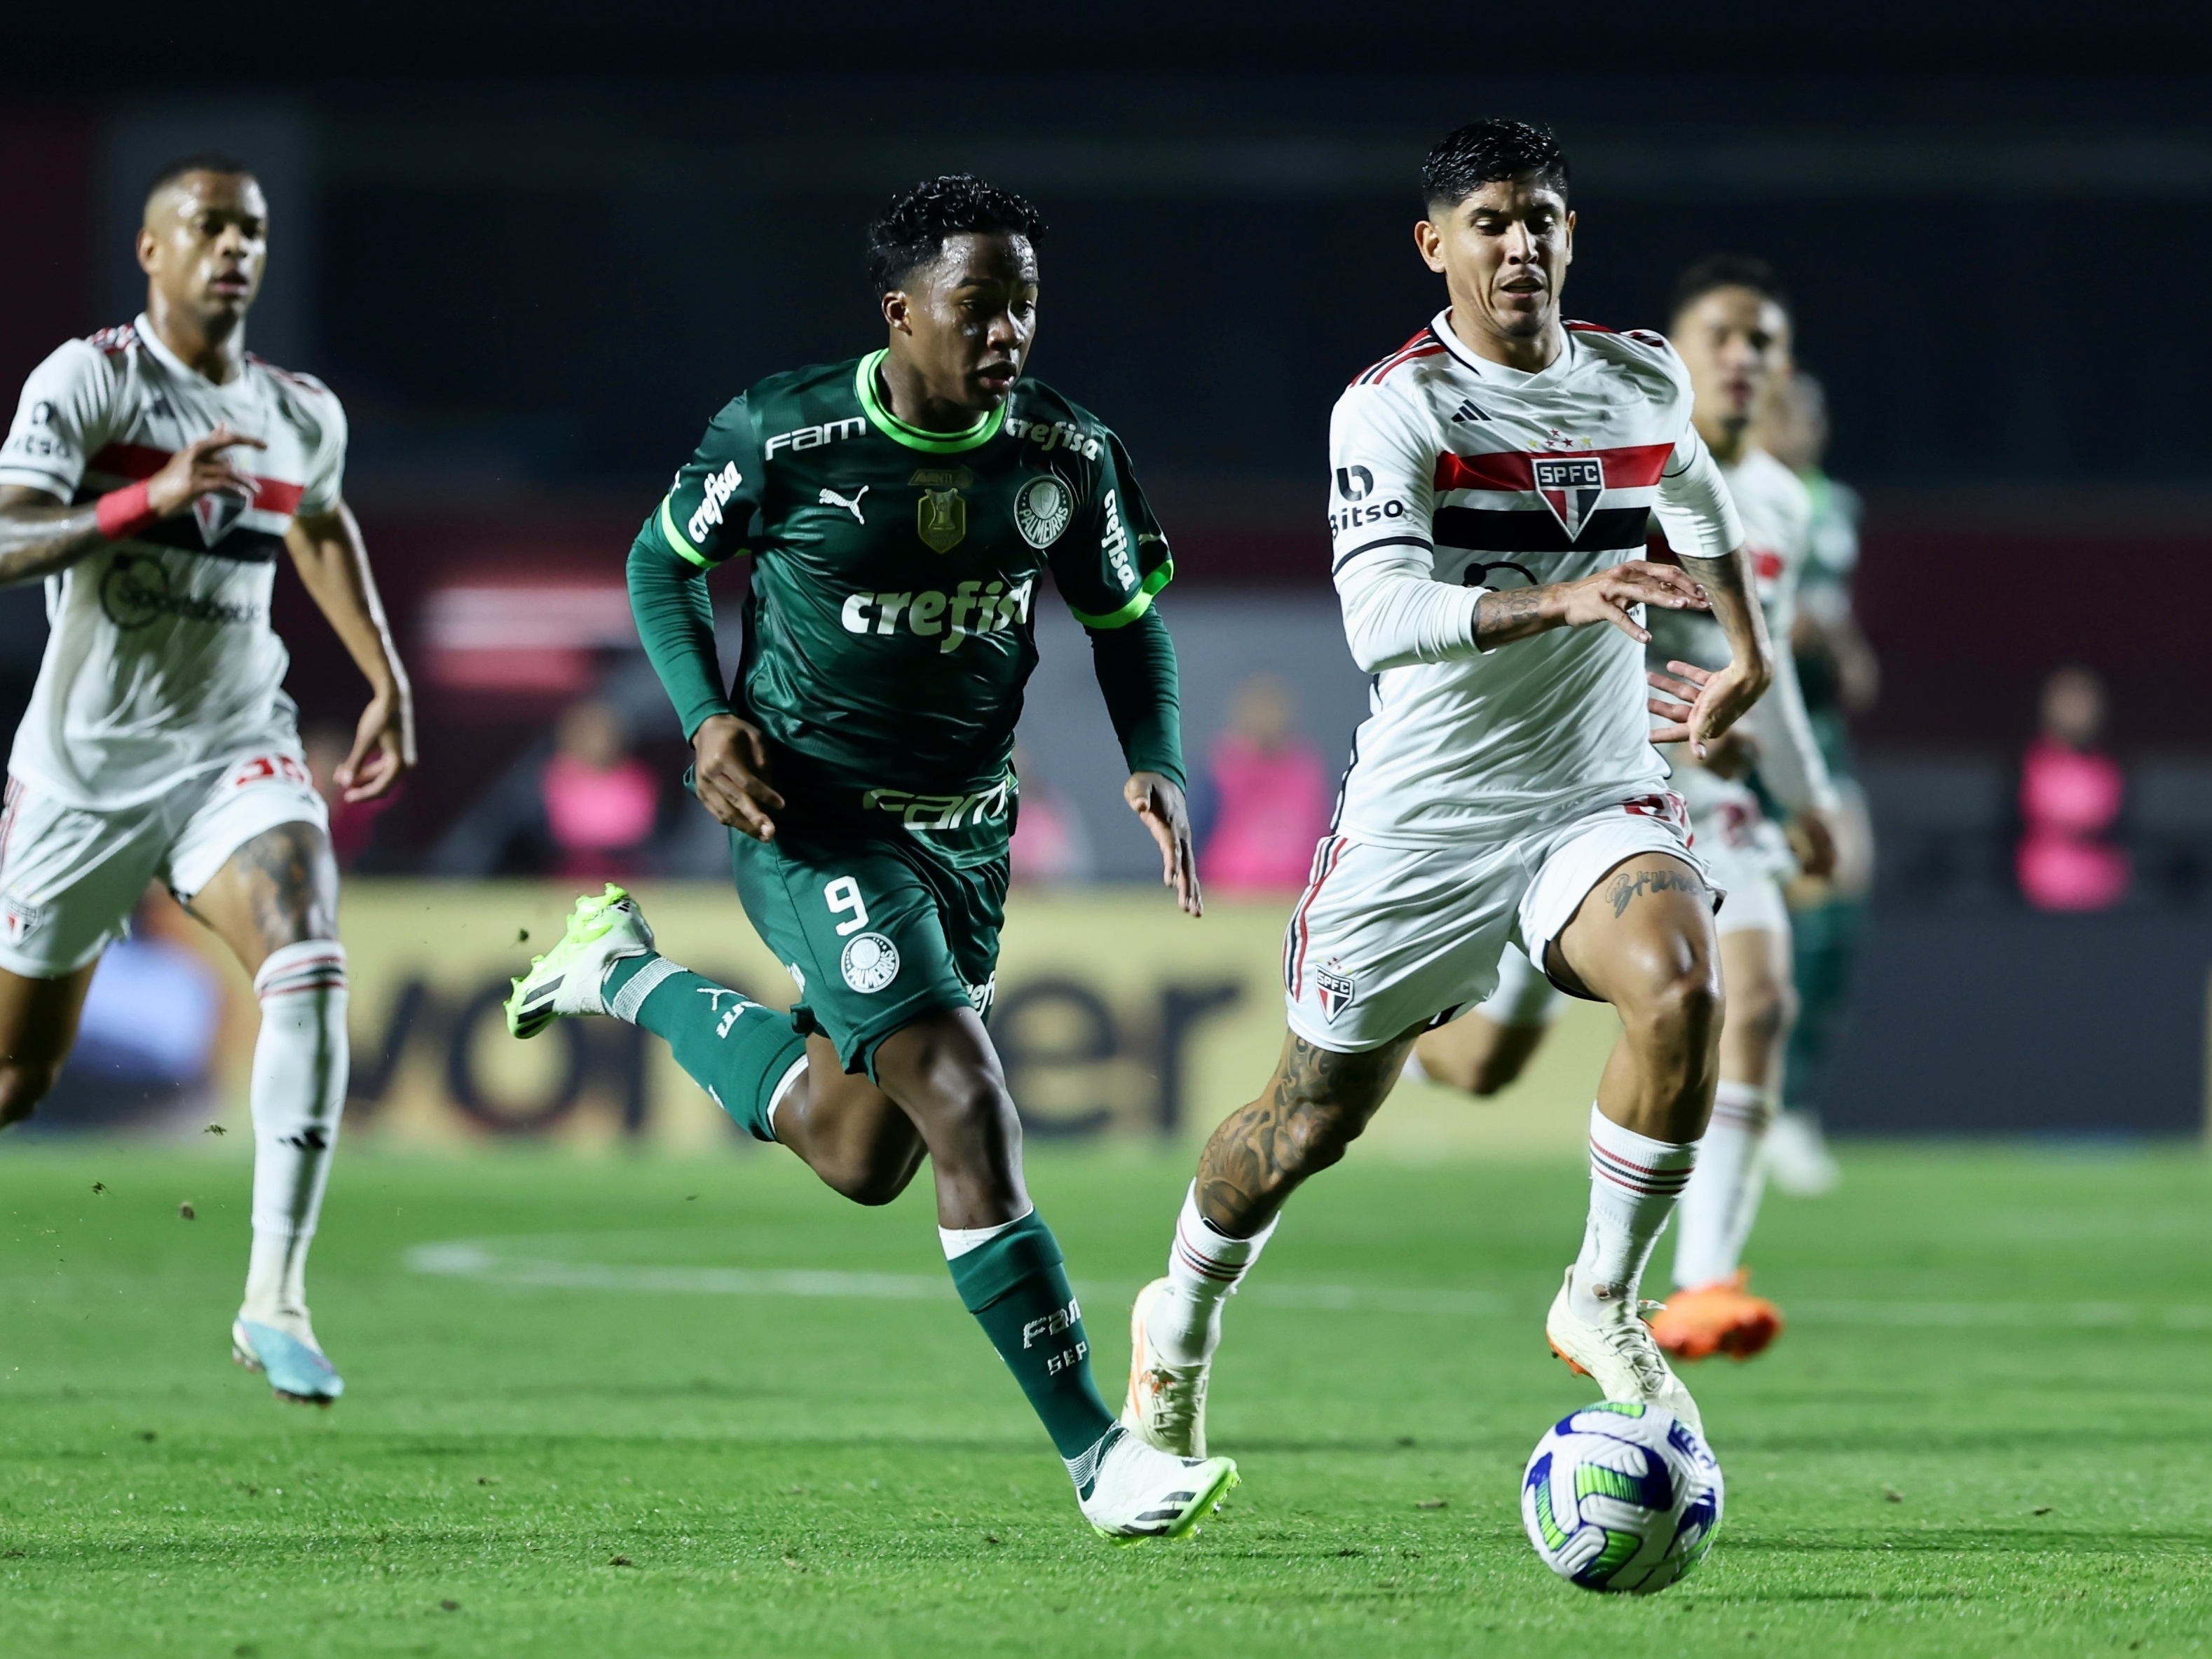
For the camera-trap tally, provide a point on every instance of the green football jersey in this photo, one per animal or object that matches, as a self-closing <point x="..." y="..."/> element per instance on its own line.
<point x="890" y="627"/>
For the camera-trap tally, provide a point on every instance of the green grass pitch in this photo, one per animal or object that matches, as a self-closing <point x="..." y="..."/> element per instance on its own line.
<point x="674" y="1408"/>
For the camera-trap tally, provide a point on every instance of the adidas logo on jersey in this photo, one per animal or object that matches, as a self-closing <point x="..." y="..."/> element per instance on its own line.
<point x="1467" y="411"/>
<point x="719" y="486"/>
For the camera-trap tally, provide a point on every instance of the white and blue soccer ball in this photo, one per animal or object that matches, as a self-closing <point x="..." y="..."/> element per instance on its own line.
<point x="1622" y="1497"/>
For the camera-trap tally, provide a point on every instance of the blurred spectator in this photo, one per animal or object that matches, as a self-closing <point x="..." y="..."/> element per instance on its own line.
<point x="353" y="823"/>
<point x="1051" y="848"/>
<point x="600" y="800"/>
<point x="2070" y="793"/>
<point x="1267" y="795"/>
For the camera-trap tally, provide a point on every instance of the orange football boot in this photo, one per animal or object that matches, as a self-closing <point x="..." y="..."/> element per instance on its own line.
<point x="1723" y="1317"/>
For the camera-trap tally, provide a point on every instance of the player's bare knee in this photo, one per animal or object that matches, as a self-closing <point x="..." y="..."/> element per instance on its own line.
<point x="1317" y="1135"/>
<point x="23" y="1085"/>
<point x="1762" y="1011"/>
<point x="1677" y="1011"/>
<point x="869" y="1182"/>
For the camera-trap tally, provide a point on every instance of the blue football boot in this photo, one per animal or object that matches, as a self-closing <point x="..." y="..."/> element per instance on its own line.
<point x="298" y="1371"/>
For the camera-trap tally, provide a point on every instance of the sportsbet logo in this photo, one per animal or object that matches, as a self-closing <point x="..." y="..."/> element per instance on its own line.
<point x="971" y="608"/>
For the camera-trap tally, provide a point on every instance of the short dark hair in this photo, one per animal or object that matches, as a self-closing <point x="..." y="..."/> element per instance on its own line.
<point x="911" y="231"/>
<point x="1482" y="153"/>
<point x="200" y="161"/>
<point x="1718" y="270"/>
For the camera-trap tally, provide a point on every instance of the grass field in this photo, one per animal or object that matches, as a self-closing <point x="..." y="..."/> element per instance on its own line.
<point x="675" y="1408"/>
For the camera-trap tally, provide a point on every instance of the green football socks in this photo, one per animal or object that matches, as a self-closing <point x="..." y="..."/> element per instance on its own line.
<point x="737" y="1050"/>
<point x="1015" y="1284"/>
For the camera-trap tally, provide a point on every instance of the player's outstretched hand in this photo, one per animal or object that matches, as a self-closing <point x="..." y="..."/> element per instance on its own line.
<point x="1701" y="703"/>
<point x="1608" y="596"/>
<point x="383" y="747"/>
<point x="201" y="468"/>
<point x="1158" y="803"/>
<point x="730" y="772"/>
<point x="1812" y="839"/>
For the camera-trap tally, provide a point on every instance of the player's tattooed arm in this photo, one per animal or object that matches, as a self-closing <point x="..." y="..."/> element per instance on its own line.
<point x="1314" y="1107"/>
<point x="40" y="535"/>
<point x="1724" y="698"/>
<point x="1506" y="615"/>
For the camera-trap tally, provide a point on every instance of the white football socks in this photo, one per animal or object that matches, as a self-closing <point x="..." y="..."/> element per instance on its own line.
<point x="1722" y="1199"/>
<point x="299" y="1090"/>
<point x="1634" y="1184"/>
<point x="1204" y="1265"/>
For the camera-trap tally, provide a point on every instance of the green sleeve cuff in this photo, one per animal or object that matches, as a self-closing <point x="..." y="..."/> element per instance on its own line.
<point x="1138" y="603"/>
<point x="676" y="624"/>
<point x="677" y="543"/>
<point x="1138" y="678"/>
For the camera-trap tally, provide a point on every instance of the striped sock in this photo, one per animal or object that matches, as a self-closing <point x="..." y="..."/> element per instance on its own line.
<point x="1722" y="1199"/>
<point x="1635" y="1182"/>
<point x="1204" y="1265"/>
<point x="297" y="1096"/>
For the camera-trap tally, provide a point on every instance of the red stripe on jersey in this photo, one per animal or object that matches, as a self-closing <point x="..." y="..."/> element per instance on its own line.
<point x="1423" y="344"/>
<point x="1638" y="467"/>
<point x="1590" y="328"/>
<point x="143" y="461"/>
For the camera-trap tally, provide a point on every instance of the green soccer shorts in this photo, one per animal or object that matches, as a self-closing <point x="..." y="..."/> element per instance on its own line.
<point x="876" y="933"/>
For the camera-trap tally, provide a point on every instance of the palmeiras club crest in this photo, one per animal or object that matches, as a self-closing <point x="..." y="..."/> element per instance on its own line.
<point x="1570" y="485"/>
<point x="1334" y="988"/>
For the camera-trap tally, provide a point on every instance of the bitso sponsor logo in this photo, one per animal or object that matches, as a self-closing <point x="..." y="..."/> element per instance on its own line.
<point x="1041" y="511"/>
<point x="1355" y="518"/>
<point x="719" y="486"/>
<point x="1354" y="483"/>
<point x="813" y="437"/>
<point x="870" y="962"/>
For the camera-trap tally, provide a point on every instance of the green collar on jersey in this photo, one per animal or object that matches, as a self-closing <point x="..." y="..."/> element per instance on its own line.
<point x="937" y="443"/>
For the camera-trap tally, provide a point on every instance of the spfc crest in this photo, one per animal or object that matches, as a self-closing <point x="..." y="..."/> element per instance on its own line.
<point x="1570" y="485"/>
<point x="217" y="512"/>
<point x="940" y="519"/>
<point x="1334" y="988"/>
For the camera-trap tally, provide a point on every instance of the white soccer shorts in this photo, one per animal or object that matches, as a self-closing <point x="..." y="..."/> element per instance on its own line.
<point x="1388" y="939"/>
<point x="1745" y="849"/>
<point x="71" y="875"/>
<point x="1524" y="996"/>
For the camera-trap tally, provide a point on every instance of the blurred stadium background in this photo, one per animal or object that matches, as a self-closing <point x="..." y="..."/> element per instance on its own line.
<point x="533" y="283"/>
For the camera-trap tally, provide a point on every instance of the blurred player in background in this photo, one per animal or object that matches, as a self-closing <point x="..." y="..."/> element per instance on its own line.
<point x="1504" y="789"/>
<point x="901" y="511"/>
<point x="1842" y="679"/>
<point x="152" y="475"/>
<point x="1731" y="326"/>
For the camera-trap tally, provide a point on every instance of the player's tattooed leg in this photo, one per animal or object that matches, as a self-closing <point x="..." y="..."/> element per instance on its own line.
<point x="280" y="888"/>
<point x="1315" y="1106"/>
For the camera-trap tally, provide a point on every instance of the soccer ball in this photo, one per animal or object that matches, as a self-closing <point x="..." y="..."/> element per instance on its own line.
<point x="1621" y="1498"/>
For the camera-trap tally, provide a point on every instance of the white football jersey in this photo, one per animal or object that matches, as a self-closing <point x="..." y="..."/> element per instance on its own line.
<point x="1453" y="475"/>
<point x="1777" y="532"/>
<point x="162" y="661"/>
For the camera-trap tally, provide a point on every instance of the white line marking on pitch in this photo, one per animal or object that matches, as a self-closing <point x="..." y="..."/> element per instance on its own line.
<point x="484" y="1260"/>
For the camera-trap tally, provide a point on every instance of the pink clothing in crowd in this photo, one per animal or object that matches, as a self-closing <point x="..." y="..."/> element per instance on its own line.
<point x="1272" y="806"/>
<point x="2069" y="799"/>
<point x="596" y="814"/>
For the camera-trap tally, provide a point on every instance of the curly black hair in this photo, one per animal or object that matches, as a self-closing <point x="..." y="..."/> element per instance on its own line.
<point x="911" y="231"/>
<point x="1482" y="153"/>
<point x="1725" y="270"/>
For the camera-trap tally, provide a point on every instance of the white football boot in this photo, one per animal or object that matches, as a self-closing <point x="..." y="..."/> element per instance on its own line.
<point x="1140" y="1491"/>
<point x="1166" y="1404"/>
<point x="1618" y="1353"/>
<point x="566" y="979"/>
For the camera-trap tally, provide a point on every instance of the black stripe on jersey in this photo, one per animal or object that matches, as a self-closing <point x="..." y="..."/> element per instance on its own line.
<point x="1421" y="542"/>
<point x="240" y="546"/>
<point x="1533" y="530"/>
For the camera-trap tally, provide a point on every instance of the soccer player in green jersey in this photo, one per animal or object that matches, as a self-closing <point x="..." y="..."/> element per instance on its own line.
<point x="900" y="512"/>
